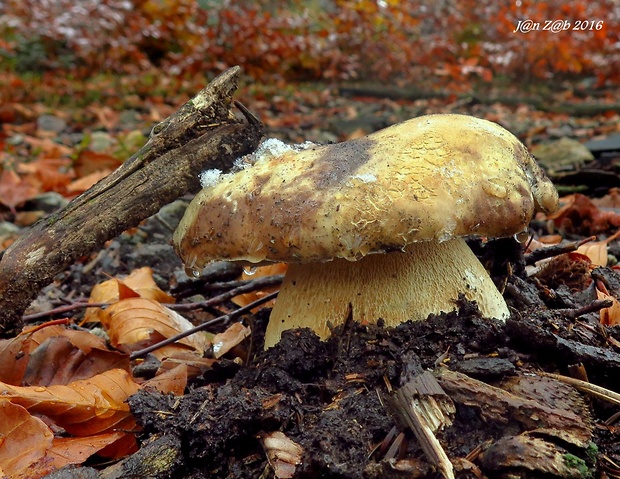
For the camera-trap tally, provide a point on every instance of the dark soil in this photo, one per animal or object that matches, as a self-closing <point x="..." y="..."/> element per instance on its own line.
<point x="332" y="398"/>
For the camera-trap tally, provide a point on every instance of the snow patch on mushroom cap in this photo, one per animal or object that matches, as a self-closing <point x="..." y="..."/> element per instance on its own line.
<point x="210" y="177"/>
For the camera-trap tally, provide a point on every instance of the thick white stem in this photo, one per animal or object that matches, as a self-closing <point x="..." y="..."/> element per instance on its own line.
<point x="426" y="278"/>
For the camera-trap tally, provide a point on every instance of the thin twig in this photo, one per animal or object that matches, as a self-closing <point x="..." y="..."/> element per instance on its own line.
<point x="593" y="307"/>
<point x="203" y="326"/>
<point x="240" y="287"/>
<point x="586" y="387"/>
<point x="244" y="287"/>
<point x="63" y="309"/>
<point x="555" y="250"/>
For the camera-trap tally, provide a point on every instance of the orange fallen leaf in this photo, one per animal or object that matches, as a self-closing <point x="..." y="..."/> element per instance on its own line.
<point x="82" y="184"/>
<point x="171" y="381"/>
<point x="195" y="364"/>
<point x="609" y="316"/>
<point x="597" y="250"/>
<point x="66" y="358"/>
<point x="52" y="171"/>
<point x="82" y="408"/>
<point x="135" y="323"/>
<point x="56" y="355"/>
<point x="89" y="162"/>
<point x="139" y="283"/>
<point x="224" y="342"/>
<point x="75" y="450"/>
<point x="24" y="439"/>
<point x="15" y="190"/>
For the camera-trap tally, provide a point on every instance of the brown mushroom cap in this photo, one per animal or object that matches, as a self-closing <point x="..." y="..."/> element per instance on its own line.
<point x="434" y="177"/>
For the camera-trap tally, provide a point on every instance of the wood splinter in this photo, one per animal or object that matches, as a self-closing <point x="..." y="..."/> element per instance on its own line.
<point x="423" y="406"/>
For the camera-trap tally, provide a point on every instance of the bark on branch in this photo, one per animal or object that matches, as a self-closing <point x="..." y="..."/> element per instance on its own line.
<point x="202" y="134"/>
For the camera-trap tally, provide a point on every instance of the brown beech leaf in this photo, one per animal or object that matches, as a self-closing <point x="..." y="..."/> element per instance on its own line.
<point x="139" y="283"/>
<point x="75" y="450"/>
<point x="52" y="171"/>
<point x="82" y="408"/>
<point x="196" y="365"/>
<point x="135" y="323"/>
<point x="15" y="190"/>
<point x="24" y="439"/>
<point x="59" y="360"/>
<point x="597" y="250"/>
<point x="173" y="381"/>
<point x="14" y="359"/>
<point x="580" y="215"/>
<point x="82" y="184"/>
<point x="609" y="316"/>
<point x="89" y="162"/>
<point x="56" y="355"/>
<point x="224" y="342"/>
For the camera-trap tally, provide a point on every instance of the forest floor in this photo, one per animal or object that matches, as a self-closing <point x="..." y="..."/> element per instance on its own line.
<point x="502" y="388"/>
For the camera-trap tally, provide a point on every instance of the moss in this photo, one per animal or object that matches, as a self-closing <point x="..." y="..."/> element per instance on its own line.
<point x="579" y="465"/>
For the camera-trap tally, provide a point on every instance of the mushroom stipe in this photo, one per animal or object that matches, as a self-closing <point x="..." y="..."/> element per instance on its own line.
<point x="373" y="225"/>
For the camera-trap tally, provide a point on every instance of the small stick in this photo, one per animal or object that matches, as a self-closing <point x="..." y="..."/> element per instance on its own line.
<point x="203" y="326"/>
<point x="586" y="387"/>
<point x="241" y="287"/>
<point x="244" y="287"/>
<point x="593" y="307"/>
<point x="555" y="250"/>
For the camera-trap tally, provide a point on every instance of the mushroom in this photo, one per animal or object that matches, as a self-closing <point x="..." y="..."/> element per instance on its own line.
<point x="372" y="228"/>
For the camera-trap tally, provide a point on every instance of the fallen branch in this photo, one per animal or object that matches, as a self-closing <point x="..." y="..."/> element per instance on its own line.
<point x="202" y="134"/>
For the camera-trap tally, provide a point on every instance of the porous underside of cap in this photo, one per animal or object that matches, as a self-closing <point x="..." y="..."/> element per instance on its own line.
<point x="431" y="178"/>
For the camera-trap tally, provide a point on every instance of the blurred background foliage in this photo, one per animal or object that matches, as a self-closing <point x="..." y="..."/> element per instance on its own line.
<point x="446" y="43"/>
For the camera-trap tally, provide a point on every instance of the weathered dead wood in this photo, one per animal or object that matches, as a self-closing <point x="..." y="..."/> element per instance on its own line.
<point x="551" y="411"/>
<point x="422" y="406"/>
<point x="202" y="134"/>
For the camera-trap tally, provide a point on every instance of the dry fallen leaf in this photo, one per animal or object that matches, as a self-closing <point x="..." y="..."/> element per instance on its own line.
<point x="609" y="316"/>
<point x="136" y="323"/>
<point x="56" y="355"/>
<point x="173" y="381"/>
<point x="75" y="450"/>
<point x="24" y="439"/>
<point x="224" y="342"/>
<point x="82" y="408"/>
<point x="196" y="365"/>
<point x="53" y="171"/>
<point x="82" y="184"/>
<point x="139" y="283"/>
<point x="15" y="190"/>
<point x="597" y="250"/>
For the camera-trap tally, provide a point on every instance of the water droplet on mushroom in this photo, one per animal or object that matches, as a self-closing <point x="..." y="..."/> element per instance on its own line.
<point x="192" y="272"/>
<point x="522" y="237"/>
<point x="250" y="270"/>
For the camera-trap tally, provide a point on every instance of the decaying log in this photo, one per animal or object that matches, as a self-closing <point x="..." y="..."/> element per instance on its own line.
<point x="202" y="134"/>
<point x="549" y="406"/>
